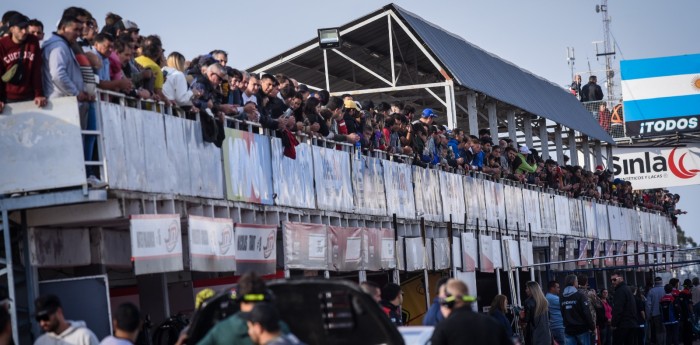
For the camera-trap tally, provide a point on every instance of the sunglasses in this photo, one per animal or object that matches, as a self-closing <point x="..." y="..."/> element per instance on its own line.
<point x="44" y="317"/>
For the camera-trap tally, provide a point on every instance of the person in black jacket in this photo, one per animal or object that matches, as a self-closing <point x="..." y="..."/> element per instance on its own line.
<point x="624" y="314"/>
<point x="392" y="297"/>
<point x="591" y="92"/>
<point x="462" y="325"/>
<point x="575" y="310"/>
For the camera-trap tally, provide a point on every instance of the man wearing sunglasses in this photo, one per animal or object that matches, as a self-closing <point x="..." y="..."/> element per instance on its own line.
<point x="462" y="325"/>
<point x="58" y="330"/>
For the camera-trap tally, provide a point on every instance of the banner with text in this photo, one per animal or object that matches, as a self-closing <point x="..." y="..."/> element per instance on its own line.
<point x="486" y="253"/>
<point x="293" y="183"/>
<point x="399" y="190"/>
<point x="333" y="183"/>
<point x="346" y="248"/>
<point x="469" y="252"/>
<point x="247" y="168"/>
<point x="156" y="243"/>
<point x="657" y="167"/>
<point x="256" y="248"/>
<point x="380" y="251"/>
<point x="411" y="253"/>
<point x="368" y="186"/>
<point x="211" y="244"/>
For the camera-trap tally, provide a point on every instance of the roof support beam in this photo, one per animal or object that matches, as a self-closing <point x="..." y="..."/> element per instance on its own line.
<point x="389" y="89"/>
<point x="472" y="113"/>
<point x="608" y="149"/>
<point x="418" y="43"/>
<point x="573" y="152"/>
<point x="512" y="131"/>
<point x="586" y="147"/>
<point x="527" y="130"/>
<point x="544" y="139"/>
<point x="559" y="145"/>
<point x="314" y="45"/>
<point x="361" y="66"/>
<point x="391" y="52"/>
<point x="598" y="154"/>
<point x="493" y="121"/>
<point x="450" y="105"/>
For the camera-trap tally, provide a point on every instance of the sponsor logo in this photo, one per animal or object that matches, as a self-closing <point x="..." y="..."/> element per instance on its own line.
<point x="270" y="245"/>
<point x="226" y="239"/>
<point x="679" y="169"/>
<point x="173" y="236"/>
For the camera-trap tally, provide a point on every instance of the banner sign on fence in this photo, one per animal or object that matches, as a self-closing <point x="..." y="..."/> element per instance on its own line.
<point x="414" y="259"/>
<point x="513" y="252"/>
<point x="305" y="246"/>
<point x="156" y="243"/>
<point x="333" y="183"/>
<point x="549" y="218"/>
<point x="346" y="248"/>
<point x="368" y="186"/>
<point x="380" y="249"/>
<point x="399" y="190"/>
<point x="621" y="250"/>
<point x="570" y="246"/>
<point x="426" y="183"/>
<point x="661" y="95"/>
<point x="256" y="248"/>
<point x="630" y="250"/>
<point x="247" y="168"/>
<point x="527" y="256"/>
<point x="441" y="256"/>
<point x="658" y="167"/>
<point x="212" y="246"/>
<point x="476" y="199"/>
<point x="293" y="183"/>
<point x="598" y="251"/>
<point x="609" y="251"/>
<point x="452" y="192"/>
<point x="562" y="215"/>
<point x="531" y="204"/>
<point x="554" y="246"/>
<point x="486" y="253"/>
<point x="583" y="247"/>
<point x="469" y="252"/>
<point x="496" y="253"/>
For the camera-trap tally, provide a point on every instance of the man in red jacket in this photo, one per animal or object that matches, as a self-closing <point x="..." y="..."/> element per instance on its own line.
<point x="21" y="49"/>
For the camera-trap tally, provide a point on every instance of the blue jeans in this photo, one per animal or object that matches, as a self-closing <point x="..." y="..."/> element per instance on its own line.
<point x="90" y="140"/>
<point x="579" y="339"/>
<point x="559" y="335"/>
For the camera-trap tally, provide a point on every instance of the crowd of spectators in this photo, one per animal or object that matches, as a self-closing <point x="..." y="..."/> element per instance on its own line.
<point x="80" y="57"/>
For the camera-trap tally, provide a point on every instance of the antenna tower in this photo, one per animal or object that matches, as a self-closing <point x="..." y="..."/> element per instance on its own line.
<point x="608" y="51"/>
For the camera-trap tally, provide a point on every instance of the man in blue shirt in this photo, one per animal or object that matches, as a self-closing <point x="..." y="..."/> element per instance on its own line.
<point x="556" y="322"/>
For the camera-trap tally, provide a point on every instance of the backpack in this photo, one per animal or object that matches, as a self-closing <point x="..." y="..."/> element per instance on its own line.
<point x="669" y="310"/>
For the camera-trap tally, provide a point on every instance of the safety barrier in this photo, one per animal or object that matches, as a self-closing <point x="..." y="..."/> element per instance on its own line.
<point x="610" y="116"/>
<point x="152" y="152"/>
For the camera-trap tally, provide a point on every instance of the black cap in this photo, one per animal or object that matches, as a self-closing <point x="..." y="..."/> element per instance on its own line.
<point x="265" y="314"/>
<point x="657" y="279"/>
<point x="47" y="305"/>
<point x="303" y="88"/>
<point x="18" y="20"/>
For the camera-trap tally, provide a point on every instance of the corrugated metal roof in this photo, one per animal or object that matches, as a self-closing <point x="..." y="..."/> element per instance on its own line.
<point x="481" y="71"/>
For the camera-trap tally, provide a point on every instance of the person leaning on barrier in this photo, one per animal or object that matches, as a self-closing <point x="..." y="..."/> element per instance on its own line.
<point x="20" y="64"/>
<point x="462" y="325"/>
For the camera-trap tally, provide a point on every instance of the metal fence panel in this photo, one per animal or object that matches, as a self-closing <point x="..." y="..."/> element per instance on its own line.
<point x="602" y="221"/>
<point x="305" y="246"/>
<point x="589" y="219"/>
<point x="563" y="219"/>
<point x="426" y="186"/>
<point x="248" y="169"/>
<point x="346" y="248"/>
<point x="332" y="176"/>
<point x="113" y="118"/>
<point x="155" y="153"/>
<point x="441" y="247"/>
<point x="176" y="162"/>
<point x="135" y="152"/>
<point x="576" y="217"/>
<point x="531" y="207"/>
<point x="549" y="219"/>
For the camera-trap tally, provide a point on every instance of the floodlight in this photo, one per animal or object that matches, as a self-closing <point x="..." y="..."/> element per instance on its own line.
<point x="329" y="38"/>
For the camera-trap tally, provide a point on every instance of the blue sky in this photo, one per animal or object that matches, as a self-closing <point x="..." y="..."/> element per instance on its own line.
<point x="531" y="34"/>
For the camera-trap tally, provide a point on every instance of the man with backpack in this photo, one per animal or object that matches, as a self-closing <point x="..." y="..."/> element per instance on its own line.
<point x="670" y="315"/>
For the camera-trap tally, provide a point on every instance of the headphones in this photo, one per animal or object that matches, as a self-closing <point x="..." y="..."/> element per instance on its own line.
<point x="449" y="301"/>
<point x="267" y="296"/>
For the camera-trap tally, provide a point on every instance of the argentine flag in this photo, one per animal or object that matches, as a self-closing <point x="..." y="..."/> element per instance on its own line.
<point x="661" y="94"/>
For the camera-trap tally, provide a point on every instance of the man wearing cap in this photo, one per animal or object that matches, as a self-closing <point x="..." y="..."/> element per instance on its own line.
<point x="58" y="330"/>
<point x="352" y="116"/>
<point x="20" y="64"/>
<point x="462" y="325"/>
<point x="524" y="167"/>
<point x="652" y="308"/>
<point x="250" y="291"/>
<point x="264" y="326"/>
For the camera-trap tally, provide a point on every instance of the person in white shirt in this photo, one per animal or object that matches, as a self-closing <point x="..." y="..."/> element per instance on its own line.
<point x="175" y="86"/>
<point x="58" y="330"/>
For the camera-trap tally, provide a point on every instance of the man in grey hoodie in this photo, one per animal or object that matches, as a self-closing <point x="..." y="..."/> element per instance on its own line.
<point x="654" y="312"/>
<point x="58" y="330"/>
<point x="61" y="73"/>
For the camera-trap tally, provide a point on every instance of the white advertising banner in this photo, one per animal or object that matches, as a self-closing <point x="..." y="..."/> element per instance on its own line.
<point x="399" y="190"/>
<point x="527" y="256"/>
<point x="452" y="192"/>
<point x="486" y="253"/>
<point x="414" y="253"/>
<point x="657" y="167"/>
<point x="292" y="182"/>
<point x="211" y="244"/>
<point x="576" y="217"/>
<point x="496" y="253"/>
<point x="333" y="183"/>
<point x="602" y="222"/>
<point x="531" y="205"/>
<point x="256" y="248"/>
<point x="510" y="247"/>
<point x="347" y="248"/>
<point x="590" y="228"/>
<point x="441" y="256"/>
<point x="368" y="186"/>
<point x="563" y="219"/>
<point x="426" y="186"/>
<point x="468" y="252"/>
<point x="549" y="218"/>
<point x="380" y="249"/>
<point x="476" y="201"/>
<point x="156" y="243"/>
<point x="247" y="169"/>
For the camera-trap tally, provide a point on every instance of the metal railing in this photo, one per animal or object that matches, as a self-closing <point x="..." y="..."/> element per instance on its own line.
<point x="610" y="116"/>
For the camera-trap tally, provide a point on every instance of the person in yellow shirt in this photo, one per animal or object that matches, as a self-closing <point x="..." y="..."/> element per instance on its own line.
<point x="153" y="52"/>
